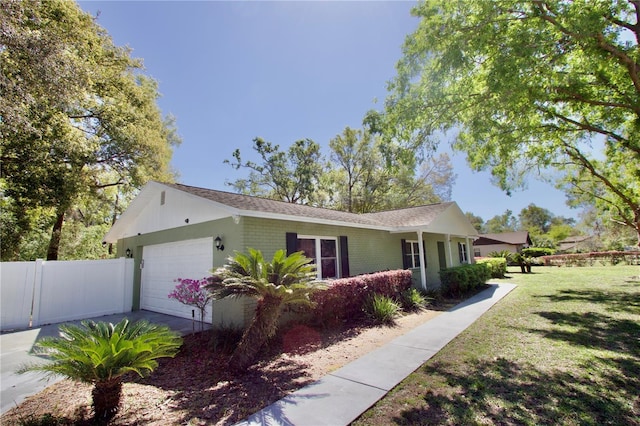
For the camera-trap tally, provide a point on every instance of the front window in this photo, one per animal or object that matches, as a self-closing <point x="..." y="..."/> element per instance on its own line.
<point x="324" y="252"/>
<point x="462" y="253"/>
<point x="412" y="252"/>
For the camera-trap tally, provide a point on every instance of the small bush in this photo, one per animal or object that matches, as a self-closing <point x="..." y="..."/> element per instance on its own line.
<point x="381" y="309"/>
<point x="412" y="300"/>
<point x="497" y="266"/>
<point x="461" y="279"/>
<point x="344" y="299"/>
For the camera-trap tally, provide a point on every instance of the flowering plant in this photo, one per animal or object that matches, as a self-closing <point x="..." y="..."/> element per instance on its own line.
<point x="191" y="292"/>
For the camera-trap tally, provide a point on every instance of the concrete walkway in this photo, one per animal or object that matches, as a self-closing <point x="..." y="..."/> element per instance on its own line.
<point x="16" y="347"/>
<point x="342" y="396"/>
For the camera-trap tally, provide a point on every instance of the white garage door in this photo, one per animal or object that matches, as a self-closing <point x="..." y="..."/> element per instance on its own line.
<point x="163" y="264"/>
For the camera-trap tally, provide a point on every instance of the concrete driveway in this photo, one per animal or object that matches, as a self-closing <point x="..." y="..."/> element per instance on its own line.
<point x="16" y="350"/>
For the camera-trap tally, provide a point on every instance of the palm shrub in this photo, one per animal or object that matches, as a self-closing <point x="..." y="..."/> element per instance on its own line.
<point x="286" y="280"/>
<point x="100" y="353"/>
<point x="412" y="300"/>
<point x="382" y="309"/>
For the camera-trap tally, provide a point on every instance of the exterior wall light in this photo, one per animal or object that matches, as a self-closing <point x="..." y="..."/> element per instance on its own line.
<point x="219" y="244"/>
<point x="128" y="253"/>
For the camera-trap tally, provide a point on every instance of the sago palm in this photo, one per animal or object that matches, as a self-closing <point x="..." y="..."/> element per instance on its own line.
<point x="101" y="353"/>
<point x="286" y="280"/>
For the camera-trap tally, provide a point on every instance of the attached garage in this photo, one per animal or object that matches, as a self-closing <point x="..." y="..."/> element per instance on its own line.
<point x="162" y="264"/>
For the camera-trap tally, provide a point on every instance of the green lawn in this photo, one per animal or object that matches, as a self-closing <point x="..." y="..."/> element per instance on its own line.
<point x="561" y="348"/>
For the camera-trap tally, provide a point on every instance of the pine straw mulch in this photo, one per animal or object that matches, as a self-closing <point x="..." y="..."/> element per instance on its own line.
<point x="196" y="388"/>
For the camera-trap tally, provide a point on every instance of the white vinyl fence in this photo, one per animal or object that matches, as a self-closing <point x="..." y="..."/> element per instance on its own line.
<point x="47" y="292"/>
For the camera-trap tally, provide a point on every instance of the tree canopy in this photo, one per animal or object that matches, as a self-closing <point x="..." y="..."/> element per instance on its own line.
<point x="357" y="177"/>
<point x="77" y="116"/>
<point x="528" y="85"/>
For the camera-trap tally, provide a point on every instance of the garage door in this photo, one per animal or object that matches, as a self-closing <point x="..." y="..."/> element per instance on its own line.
<point x="163" y="263"/>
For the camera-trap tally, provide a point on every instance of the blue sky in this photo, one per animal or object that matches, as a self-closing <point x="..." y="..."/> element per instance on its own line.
<point x="232" y="71"/>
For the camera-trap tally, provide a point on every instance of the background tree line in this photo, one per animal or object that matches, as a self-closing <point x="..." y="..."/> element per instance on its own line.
<point x="547" y="229"/>
<point x="356" y="176"/>
<point x="524" y="85"/>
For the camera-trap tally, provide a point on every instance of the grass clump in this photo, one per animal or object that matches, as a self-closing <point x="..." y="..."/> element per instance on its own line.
<point x="413" y="300"/>
<point x="382" y="309"/>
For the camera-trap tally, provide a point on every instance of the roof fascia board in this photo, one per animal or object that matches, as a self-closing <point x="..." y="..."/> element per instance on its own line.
<point x="279" y="216"/>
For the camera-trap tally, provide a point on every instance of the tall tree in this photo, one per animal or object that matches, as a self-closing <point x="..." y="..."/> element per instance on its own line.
<point x="290" y="176"/>
<point x="76" y="116"/>
<point x="476" y="221"/>
<point x="502" y="223"/>
<point x="528" y="85"/>
<point x="365" y="179"/>
<point x="357" y="176"/>
<point x="536" y="220"/>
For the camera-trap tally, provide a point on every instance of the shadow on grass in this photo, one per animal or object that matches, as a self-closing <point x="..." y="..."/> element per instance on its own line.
<point x="593" y="330"/>
<point x="616" y="301"/>
<point x="503" y="392"/>
<point x="601" y="389"/>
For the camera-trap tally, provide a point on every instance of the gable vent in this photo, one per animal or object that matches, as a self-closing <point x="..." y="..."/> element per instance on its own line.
<point x="162" y="197"/>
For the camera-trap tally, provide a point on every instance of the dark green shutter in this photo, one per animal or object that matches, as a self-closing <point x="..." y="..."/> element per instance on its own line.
<point x="344" y="257"/>
<point x="405" y="262"/>
<point x="292" y="243"/>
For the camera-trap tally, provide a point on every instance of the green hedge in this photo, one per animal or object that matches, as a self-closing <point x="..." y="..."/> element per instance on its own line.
<point x="461" y="279"/>
<point x="537" y="251"/>
<point x="497" y="266"/>
<point x="594" y="258"/>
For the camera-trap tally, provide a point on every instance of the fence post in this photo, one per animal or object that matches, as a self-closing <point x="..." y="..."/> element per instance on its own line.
<point x="37" y="292"/>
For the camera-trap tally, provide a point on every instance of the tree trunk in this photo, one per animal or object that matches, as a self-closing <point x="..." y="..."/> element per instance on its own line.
<point x="54" y="243"/>
<point x="262" y="327"/>
<point x="106" y="398"/>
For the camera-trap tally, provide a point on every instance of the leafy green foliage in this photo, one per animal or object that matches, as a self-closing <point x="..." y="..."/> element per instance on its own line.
<point x="290" y="176"/>
<point x="506" y="222"/>
<point x="413" y="300"/>
<point x="358" y="178"/>
<point x="459" y="280"/>
<point x="381" y="309"/>
<point x="78" y="117"/>
<point x="505" y="254"/>
<point x="527" y="85"/>
<point x="286" y="280"/>
<point x="101" y="353"/>
<point x="537" y="251"/>
<point x="497" y="265"/>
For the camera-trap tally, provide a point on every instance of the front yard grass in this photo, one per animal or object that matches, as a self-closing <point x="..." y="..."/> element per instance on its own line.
<point x="561" y="348"/>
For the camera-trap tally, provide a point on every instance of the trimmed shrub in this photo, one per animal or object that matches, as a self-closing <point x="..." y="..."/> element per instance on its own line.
<point x="537" y="251"/>
<point x="345" y="297"/>
<point x="381" y="309"/>
<point x="497" y="266"/>
<point x="594" y="258"/>
<point x="461" y="279"/>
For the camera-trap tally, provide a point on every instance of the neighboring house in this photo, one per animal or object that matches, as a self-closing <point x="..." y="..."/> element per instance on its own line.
<point x="577" y="243"/>
<point x="509" y="241"/>
<point x="178" y="231"/>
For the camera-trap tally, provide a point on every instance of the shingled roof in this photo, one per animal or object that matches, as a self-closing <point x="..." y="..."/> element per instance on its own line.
<point x="412" y="216"/>
<point x="514" y="238"/>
